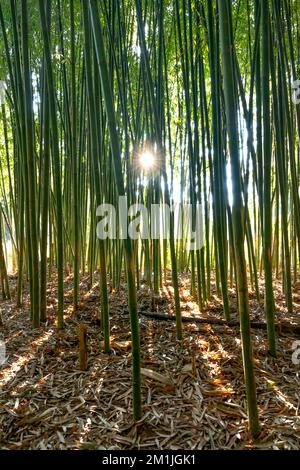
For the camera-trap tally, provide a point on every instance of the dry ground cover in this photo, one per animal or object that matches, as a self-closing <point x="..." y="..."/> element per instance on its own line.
<point x="193" y="394"/>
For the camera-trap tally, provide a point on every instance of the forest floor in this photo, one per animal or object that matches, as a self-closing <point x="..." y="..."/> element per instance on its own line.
<point x="193" y="394"/>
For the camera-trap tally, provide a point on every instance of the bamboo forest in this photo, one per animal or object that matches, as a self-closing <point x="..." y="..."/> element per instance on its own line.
<point x="149" y="225"/>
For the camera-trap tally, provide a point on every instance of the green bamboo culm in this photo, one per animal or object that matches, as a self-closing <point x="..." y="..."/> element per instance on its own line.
<point x="3" y="269"/>
<point x="128" y="249"/>
<point x="227" y="47"/>
<point x="45" y="193"/>
<point x="221" y="266"/>
<point x="76" y="223"/>
<point x="158" y="133"/>
<point x="267" y="153"/>
<point x="56" y="165"/>
<point x="93" y="118"/>
<point x="30" y="175"/>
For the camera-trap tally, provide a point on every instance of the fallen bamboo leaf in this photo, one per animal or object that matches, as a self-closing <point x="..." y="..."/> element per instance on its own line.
<point x="151" y="374"/>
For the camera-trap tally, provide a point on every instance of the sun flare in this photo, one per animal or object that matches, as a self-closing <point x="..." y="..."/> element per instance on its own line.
<point x="147" y="160"/>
